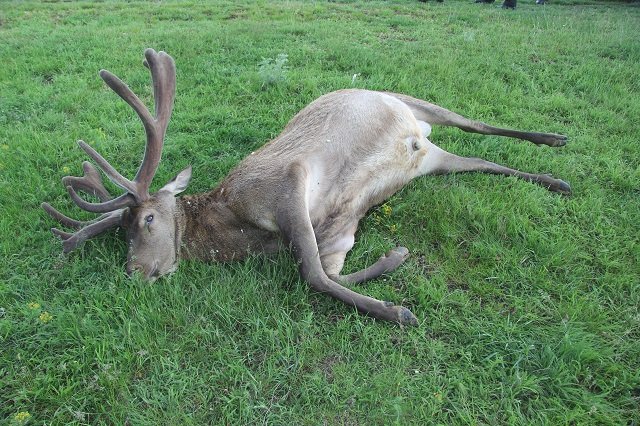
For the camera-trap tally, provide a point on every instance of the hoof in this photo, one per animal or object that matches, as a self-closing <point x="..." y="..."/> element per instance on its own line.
<point x="405" y="317"/>
<point x="552" y="184"/>
<point x="559" y="186"/>
<point x="393" y="258"/>
<point x="398" y="253"/>
<point x="551" y="139"/>
<point x="398" y="314"/>
<point x="563" y="188"/>
<point x="559" y="140"/>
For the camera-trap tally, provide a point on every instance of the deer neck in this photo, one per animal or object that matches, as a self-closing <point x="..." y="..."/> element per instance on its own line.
<point x="212" y="232"/>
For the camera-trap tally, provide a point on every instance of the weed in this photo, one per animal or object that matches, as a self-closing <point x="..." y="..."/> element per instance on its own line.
<point x="273" y="71"/>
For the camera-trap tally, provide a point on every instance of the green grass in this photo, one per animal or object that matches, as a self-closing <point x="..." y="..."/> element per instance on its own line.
<point x="528" y="301"/>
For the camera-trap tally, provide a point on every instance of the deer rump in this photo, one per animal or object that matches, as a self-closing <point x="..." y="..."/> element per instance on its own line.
<point x="344" y="153"/>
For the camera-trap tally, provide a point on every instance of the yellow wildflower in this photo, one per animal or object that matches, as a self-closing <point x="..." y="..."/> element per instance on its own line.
<point x="66" y="169"/>
<point x="45" y="317"/>
<point x="393" y="228"/>
<point x="22" y="417"/>
<point x="386" y="210"/>
<point x="34" y="305"/>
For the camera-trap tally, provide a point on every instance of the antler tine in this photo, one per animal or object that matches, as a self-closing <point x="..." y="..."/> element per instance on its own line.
<point x="66" y="220"/>
<point x="72" y="241"/>
<point x="123" y="201"/>
<point x="163" y="74"/>
<point x="122" y="90"/>
<point x="85" y="230"/>
<point x="91" y="183"/>
<point x="111" y="172"/>
<point x="62" y="234"/>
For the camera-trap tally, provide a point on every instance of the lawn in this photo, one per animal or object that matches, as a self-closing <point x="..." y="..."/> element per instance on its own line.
<point x="528" y="301"/>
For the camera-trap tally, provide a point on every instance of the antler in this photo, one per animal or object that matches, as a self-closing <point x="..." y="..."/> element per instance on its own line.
<point x="90" y="183"/>
<point x="163" y="74"/>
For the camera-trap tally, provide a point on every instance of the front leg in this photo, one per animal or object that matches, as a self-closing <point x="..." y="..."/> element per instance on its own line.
<point x="292" y="216"/>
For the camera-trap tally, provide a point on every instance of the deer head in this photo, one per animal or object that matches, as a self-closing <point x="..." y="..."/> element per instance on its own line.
<point x="151" y="220"/>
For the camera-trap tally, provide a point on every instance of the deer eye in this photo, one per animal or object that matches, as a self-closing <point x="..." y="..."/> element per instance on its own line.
<point x="148" y="219"/>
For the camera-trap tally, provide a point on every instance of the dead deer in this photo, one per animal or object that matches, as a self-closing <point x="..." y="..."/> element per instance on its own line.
<point x="308" y="188"/>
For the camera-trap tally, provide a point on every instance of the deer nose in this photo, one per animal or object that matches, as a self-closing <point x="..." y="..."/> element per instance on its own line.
<point x="132" y="268"/>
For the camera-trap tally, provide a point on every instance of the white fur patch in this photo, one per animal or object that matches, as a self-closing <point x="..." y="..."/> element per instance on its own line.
<point x="341" y="245"/>
<point x="425" y="127"/>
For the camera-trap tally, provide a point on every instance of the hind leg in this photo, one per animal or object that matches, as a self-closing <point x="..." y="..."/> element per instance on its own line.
<point x="439" y="162"/>
<point x="332" y="264"/>
<point x="336" y="238"/>
<point x="434" y="114"/>
<point x="387" y="263"/>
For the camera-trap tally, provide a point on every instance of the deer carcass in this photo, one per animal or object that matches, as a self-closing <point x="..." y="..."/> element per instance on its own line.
<point x="308" y="188"/>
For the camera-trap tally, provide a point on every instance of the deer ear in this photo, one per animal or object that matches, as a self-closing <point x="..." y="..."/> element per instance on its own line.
<point x="178" y="183"/>
<point x="426" y="128"/>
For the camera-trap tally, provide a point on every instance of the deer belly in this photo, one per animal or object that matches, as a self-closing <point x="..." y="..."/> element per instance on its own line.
<point x="354" y="186"/>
